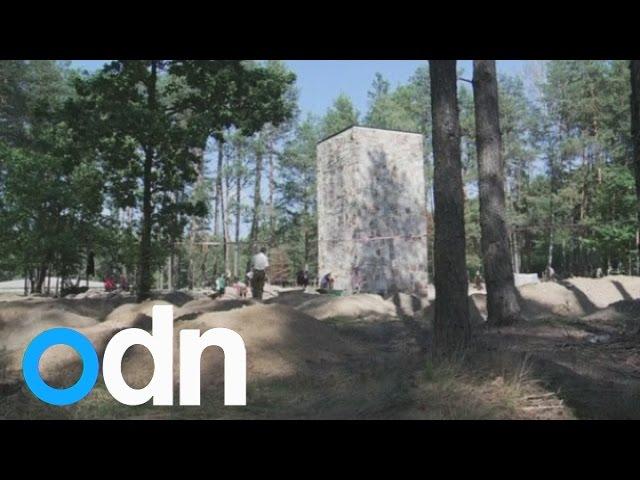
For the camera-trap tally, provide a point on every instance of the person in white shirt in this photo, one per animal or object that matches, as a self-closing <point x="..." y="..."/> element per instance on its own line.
<point x="260" y="265"/>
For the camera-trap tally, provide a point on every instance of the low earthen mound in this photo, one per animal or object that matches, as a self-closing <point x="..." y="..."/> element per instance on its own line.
<point x="22" y="320"/>
<point x="96" y="307"/>
<point x="177" y="298"/>
<point x="293" y="298"/>
<point x="602" y="292"/>
<point x="195" y="308"/>
<point x="129" y="315"/>
<point x="281" y="343"/>
<point x="624" y="316"/>
<point x="361" y="306"/>
<point x="577" y="297"/>
<point x="60" y="366"/>
<point x="550" y="299"/>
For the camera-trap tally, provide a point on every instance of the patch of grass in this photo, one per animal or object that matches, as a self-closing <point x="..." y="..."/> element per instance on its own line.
<point x="459" y="390"/>
<point x="99" y="404"/>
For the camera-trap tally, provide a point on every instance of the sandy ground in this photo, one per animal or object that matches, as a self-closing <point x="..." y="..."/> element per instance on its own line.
<point x="362" y="356"/>
<point x="17" y="286"/>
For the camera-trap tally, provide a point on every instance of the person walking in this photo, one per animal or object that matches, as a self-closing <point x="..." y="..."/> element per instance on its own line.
<point x="260" y="265"/>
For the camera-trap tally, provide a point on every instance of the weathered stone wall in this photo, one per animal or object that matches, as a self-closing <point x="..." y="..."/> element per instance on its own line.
<point x="371" y="210"/>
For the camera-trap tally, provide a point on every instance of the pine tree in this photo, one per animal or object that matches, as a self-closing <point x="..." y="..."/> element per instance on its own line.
<point x="451" y="322"/>
<point x="502" y="302"/>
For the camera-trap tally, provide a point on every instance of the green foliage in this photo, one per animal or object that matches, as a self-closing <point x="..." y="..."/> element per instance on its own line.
<point x="297" y="192"/>
<point x="74" y="147"/>
<point x="51" y="196"/>
<point x="340" y="116"/>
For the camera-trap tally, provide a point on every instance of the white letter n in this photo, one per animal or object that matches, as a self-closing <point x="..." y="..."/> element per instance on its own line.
<point x="235" y="364"/>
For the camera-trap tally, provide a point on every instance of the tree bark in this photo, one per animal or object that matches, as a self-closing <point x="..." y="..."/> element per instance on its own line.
<point x="517" y="255"/>
<point x="41" y="276"/>
<point x="220" y="195"/>
<point x="238" y="219"/>
<point x="502" y="300"/>
<point x="144" y="279"/>
<point x="451" y="323"/>
<point x="227" y="213"/>
<point x="272" y="212"/>
<point x="635" y="127"/>
<point x="257" y="202"/>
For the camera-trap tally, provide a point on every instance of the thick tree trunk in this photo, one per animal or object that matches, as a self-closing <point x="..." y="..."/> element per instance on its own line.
<point x="144" y="266"/>
<point x="502" y="300"/>
<point x="451" y="324"/>
<point x="635" y="127"/>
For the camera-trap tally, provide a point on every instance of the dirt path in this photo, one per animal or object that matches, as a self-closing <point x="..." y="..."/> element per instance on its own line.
<point x="594" y="366"/>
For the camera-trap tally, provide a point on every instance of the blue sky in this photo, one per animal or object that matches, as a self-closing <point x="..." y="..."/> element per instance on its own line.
<point x="321" y="81"/>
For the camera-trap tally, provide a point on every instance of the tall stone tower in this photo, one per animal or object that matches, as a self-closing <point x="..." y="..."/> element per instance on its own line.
<point x="372" y="210"/>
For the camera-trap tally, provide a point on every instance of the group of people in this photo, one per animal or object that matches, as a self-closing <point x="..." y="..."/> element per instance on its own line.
<point x="111" y="284"/>
<point x="256" y="278"/>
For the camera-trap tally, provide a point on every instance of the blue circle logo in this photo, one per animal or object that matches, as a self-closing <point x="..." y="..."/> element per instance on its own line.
<point x="90" y="366"/>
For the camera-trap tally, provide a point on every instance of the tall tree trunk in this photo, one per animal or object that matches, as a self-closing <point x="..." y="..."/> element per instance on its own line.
<point x="238" y="219"/>
<point x="451" y="323"/>
<point x="305" y="213"/>
<point x="635" y="127"/>
<point x="257" y="202"/>
<point x="216" y="203"/>
<point x="144" y="278"/>
<point x="272" y="211"/>
<point x="197" y="223"/>
<point x="41" y="276"/>
<point x="227" y="213"/>
<point x="551" y="240"/>
<point x="502" y="300"/>
<point x="220" y="195"/>
<point x="517" y="255"/>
